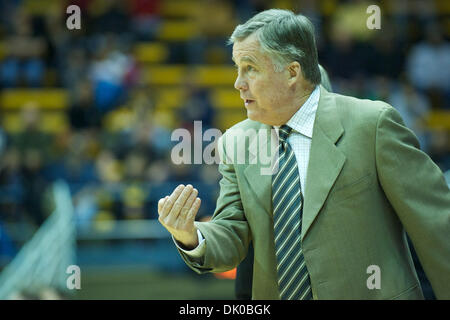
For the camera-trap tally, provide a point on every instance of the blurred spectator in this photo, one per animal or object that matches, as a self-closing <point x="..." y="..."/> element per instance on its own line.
<point x="428" y="64"/>
<point x="111" y="16"/>
<point x="34" y="147"/>
<point x="74" y="166"/>
<point x="425" y="11"/>
<point x="11" y="186"/>
<point x="75" y="69"/>
<point x="82" y="112"/>
<point x="182" y="173"/>
<point x="146" y="20"/>
<point x="160" y="136"/>
<point x="385" y="54"/>
<point x="342" y="56"/>
<point x="197" y="107"/>
<point x="110" y="172"/>
<point x="31" y="136"/>
<point x="158" y="171"/>
<point x="108" y="167"/>
<point x="134" y="167"/>
<point x="134" y="199"/>
<point x="24" y="63"/>
<point x="109" y="74"/>
<point x="136" y="141"/>
<point x="35" y="184"/>
<point x="209" y="43"/>
<point x="350" y="17"/>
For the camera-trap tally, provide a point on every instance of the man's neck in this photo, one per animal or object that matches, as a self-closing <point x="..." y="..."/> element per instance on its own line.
<point x="303" y="98"/>
<point x="299" y="102"/>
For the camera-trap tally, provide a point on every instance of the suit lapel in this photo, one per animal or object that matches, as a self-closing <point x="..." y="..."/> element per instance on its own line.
<point x="325" y="160"/>
<point x="258" y="174"/>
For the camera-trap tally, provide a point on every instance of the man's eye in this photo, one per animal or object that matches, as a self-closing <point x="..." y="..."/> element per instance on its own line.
<point x="250" y="68"/>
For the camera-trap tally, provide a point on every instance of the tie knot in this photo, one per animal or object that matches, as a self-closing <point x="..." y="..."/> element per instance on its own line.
<point x="284" y="132"/>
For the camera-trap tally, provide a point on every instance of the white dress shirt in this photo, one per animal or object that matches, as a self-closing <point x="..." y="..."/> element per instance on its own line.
<point x="302" y="123"/>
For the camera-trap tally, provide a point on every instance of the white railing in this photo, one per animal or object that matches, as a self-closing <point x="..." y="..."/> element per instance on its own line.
<point x="43" y="260"/>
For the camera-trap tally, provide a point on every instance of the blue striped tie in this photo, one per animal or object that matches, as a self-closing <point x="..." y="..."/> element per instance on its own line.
<point x="287" y="200"/>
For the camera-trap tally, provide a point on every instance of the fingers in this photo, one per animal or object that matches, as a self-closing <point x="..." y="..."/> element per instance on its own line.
<point x="194" y="209"/>
<point x="167" y="207"/>
<point x="180" y="202"/>
<point x="177" y="204"/>
<point x="188" y="204"/>
<point x="161" y="203"/>
<point x="177" y="214"/>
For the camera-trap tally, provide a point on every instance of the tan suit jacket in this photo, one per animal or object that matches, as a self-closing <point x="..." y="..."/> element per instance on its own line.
<point x="367" y="182"/>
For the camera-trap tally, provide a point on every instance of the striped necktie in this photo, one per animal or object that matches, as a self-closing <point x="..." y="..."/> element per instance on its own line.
<point x="287" y="200"/>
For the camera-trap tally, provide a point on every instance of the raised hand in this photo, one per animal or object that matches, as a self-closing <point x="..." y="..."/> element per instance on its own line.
<point x="177" y="214"/>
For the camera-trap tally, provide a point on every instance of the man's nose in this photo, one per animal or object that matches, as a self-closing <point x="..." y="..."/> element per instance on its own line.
<point x="240" y="84"/>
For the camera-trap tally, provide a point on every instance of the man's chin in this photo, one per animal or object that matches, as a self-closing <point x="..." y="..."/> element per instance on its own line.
<point x="252" y="116"/>
<point x="255" y="117"/>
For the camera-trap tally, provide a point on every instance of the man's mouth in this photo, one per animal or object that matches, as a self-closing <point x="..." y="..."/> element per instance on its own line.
<point x="248" y="101"/>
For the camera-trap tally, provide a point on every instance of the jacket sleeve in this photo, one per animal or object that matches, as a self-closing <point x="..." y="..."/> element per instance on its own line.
<point x="227" y="235"/>
<point x="416" y="188"/>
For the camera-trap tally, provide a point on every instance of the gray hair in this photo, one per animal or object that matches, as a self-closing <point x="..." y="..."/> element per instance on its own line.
<point x="326" y="83"/>
<point x="286" y="37"/>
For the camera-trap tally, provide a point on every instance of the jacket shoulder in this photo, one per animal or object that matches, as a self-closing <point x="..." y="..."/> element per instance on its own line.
<point x="360" y="106"/>
<point x="353" y="111"/>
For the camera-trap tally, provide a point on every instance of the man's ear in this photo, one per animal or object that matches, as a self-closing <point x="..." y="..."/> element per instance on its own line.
<point x="295" y="71"/>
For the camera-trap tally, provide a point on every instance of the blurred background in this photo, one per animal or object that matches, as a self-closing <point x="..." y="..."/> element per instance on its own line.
<point x="86" y="118"/>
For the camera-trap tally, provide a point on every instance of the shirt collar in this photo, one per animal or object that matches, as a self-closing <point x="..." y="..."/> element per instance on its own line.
<point x="303" y="120"/>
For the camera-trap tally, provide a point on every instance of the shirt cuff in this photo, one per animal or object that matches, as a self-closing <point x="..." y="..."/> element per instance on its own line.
<point x="198" y="251"/>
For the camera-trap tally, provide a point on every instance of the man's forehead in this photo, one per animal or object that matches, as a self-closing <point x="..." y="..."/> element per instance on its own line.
<point x="244" y="58"/>
<point x="247" y="49"/>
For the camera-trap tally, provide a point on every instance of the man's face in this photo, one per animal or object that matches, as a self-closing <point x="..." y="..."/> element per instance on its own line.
<point x="266" y="92"/>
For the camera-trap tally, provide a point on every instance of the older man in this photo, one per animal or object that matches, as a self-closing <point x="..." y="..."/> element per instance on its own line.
<point x="330" y="222"/>
<point x="244" y="272"/>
